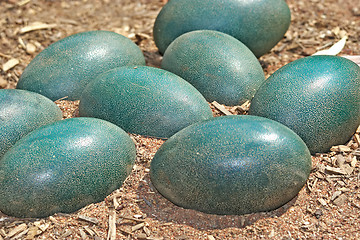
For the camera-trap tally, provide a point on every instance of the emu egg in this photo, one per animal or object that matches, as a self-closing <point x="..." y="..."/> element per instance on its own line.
<point x="144" y="100"/>
<point x="318" y="97"/>
<point x="221" y="67"/>
<point x="21" y="112"/>
<point x="63" y="166"/>
<point x="231" y="165"/>
<point x="259" y="24"/>
<point x="64" y="68"/>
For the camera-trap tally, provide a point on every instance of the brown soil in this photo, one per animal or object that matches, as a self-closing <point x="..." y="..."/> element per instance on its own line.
<point x="328" y="207"/>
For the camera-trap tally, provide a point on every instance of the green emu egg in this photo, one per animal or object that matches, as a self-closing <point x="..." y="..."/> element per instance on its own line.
<point x="259" y="24"/>
<point x="231" y="165"/>
<point x="318" y="97"/>
<point x="63" y="166"/>
<point x="221" y="67"/>
<point x="21" y="112"/>
<point x="144" y="100"/>
<point x="64" y="68"/>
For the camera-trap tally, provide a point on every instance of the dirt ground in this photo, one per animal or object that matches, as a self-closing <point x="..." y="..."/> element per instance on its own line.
<point x="328" y="207"/>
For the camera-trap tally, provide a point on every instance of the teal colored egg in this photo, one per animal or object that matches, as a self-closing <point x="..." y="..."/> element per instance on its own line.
<point x="144" y="100"/>
<point x="231" y="165"/>
<point x="318" y="97"/>
<point x="22" y="112"/>
<point x="221" y="67"/>
<point x="64" y="166"/>
<point x="259" y="24"/>
<point x="64" y="68"/>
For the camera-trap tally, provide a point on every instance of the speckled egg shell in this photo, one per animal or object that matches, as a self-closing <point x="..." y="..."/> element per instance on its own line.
<point x="231" y="165"/>
<point x="64" y="166"/>
<point x="144" y="100"/>
<point x="64" y="68"/>
<point x="258" y="24"/>
<point x="21" y="112"/>
<point x="221" y="67"/>
<point x="318" y="97"/>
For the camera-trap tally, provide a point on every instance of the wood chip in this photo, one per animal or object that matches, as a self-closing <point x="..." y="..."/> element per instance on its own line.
<point x="21" y="42"/>
<point x="210" y="237"/>
<point x="112" y="225"/>
<point x="346" y="168"/>
<point x="335" y="170"/>
<point x="141" y="236"/>
<point x="23" y="2"/>
<point x="5" y="55"/>
<point x="20" y="235"/>
<point x="340" y="200"/>
<point x="16" y="230"/>
<point x="137" y="227"/>
<point x="42" y="227"/>
<point x="340" y="159"/>
<point x="335" y="195"/>
<point x="116" y="203"/>
<point x="33" y="232"/>
<point x="51" y="218"/>
<point x="83" y="235"/>
<point x="89" y="231"/>
<point x="36" y="26"/>
<point x="322" y="201"/>
<point x="340" y="148"/>
<point x="131" y="218"/>
<point x="221" y="108"/>
<point x="10" y="64"/>
<point x="66" y="234"/>
<point x="147" y="231"/>
<point x="88" y="219"/>
<point x="353" y="162"/>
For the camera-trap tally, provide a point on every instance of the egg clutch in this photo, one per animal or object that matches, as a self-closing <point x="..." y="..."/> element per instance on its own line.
<point x="219" y="165"/>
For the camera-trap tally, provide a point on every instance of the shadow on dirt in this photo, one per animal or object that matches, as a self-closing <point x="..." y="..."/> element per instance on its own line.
<point x="156" y="206"/>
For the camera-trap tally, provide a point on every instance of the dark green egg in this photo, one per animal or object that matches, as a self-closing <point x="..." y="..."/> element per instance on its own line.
<point x="259" y="24"/>
<point x="64" y="68"/>
<point x="144" y="100"/>
<point x="21" y="112"/>
<point x="318" y="97"/>
<point x="221" y="67"/>
<point x="231" y="165"/>
<point x="64" y="166"/>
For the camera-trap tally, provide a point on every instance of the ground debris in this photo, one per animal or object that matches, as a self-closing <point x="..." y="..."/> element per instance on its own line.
<point x="333" y="170"/>
<point x="18" y="229"/>
<point x="88" y="219"/>
<point x="36" y="26"/>
<point x="10" y="64"/>
<point x="221" y="108"/>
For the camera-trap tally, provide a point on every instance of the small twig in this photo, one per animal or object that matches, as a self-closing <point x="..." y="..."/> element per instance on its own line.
<point x="36" y="26"/>
<point x="5" y="55"/>
<point x="112" y="225"/>
<point x="131" y="218"/>
<point x="221" y="108"/>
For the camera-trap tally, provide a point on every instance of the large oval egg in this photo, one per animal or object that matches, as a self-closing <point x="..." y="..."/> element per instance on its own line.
<point x="318" y="97"/>
<point x="231" y="165"/>
<point x="221" y="67"/>
<point x="64" y="68"/>
<point x="144" y="100"/>
<point x="21" y="112"/>
<point x="64" y="166"/>
<point x="259" y="24"/>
